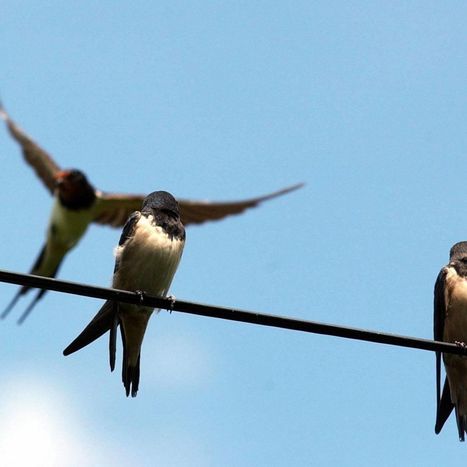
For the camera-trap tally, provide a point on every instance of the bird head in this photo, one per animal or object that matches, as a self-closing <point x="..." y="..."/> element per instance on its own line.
<point x="458" y="251"/>
<point x="74" y="190"/>
<point x="162" y="201"/>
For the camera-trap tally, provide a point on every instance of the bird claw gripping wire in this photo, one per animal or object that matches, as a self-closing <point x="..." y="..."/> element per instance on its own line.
<point x="141" y="294"/>
<point x="172" y="300"/>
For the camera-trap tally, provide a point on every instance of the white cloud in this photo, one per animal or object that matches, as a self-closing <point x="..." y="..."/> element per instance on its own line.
<point x="39" y="428"/>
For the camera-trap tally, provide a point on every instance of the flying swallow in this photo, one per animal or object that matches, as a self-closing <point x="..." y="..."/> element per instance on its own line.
<point x="77" y="203"/>
<point x="450" y="325"/>
<point x="147" y="257"/>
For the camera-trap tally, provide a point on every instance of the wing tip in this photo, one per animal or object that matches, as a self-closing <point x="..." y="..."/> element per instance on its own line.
<point x="70" y="349"/>
<point x="276" y="194"/>
<point x="438" y="427"/>
<point x="288" y="189"/>
<point x="3" y="114"/>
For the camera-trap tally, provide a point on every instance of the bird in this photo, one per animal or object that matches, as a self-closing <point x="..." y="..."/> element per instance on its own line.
<point x="147" y="256"/>
<point x="77" y="203"/>
<point x="450" y="325"/>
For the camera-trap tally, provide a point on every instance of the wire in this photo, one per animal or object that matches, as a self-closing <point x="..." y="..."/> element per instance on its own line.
<point x="229" y="313"/>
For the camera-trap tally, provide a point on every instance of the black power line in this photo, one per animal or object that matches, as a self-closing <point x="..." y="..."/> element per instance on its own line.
<point x="231" y="314"/>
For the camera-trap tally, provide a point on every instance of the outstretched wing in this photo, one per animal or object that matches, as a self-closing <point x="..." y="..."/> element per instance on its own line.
<point x="114" y="209"/>
<point x="197" y="212"/>
<point x="42" y="163"/>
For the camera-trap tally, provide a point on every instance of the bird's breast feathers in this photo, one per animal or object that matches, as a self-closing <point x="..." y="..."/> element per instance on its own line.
<point x="148" y="260"/>
<point x="67" y="226"/>
<point x="455" y="328"/>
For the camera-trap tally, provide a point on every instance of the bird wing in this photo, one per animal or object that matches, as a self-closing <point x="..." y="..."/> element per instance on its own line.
<point x="42" y="163"/>
<point x="444" y="405"/>
<point x="197" y="212"/>
<point x="99" y="325"/>
<point x="127" y="232"/>
<point x="114" y="209"/>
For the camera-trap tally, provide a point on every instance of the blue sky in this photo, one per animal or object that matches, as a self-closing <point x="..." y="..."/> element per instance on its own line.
<point x="363" y="101"/>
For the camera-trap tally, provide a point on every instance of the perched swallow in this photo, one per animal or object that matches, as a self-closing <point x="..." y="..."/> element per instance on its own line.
<point x="450" y="325"/>
<point x="77" y="204"/>
<point x="147" y="257"/>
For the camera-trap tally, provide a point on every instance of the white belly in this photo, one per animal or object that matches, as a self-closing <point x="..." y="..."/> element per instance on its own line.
<point x="148" y="260"/>
<point x="455" y="324"/>
<point x="67" y="226"/>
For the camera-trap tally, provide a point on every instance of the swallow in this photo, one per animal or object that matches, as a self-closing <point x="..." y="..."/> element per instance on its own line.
<point x="77" y="203"/>
<point x="147" y="257"/>
<point x="450" y="325"/>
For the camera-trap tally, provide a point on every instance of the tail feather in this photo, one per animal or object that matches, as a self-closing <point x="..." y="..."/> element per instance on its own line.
<point x="10" y="306"/>
<point x="130" y="373"/>
<point x="130" y="378"/>
<point x="460" y="425"/>
<point x="113" y="340"/>
<point x="100" y="324"/>
<point x="28" y="310"/>
<point x="24" y="289"/>
<point x="445" y="407"/>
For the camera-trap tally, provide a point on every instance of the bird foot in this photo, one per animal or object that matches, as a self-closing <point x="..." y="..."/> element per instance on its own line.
<point x="141" y="294"/>
<point x="172" y="300"/>
<point x="461" y="344"/>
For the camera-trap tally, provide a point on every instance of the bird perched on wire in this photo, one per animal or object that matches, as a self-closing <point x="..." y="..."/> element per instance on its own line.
<point x="77" y="203"/>
<point x="450" y="325"/>
<point x="147" y="257"/>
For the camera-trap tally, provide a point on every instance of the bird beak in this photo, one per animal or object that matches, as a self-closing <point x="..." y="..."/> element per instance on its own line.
<point x="60" y="178"/>
<point x="58" y="182"/>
